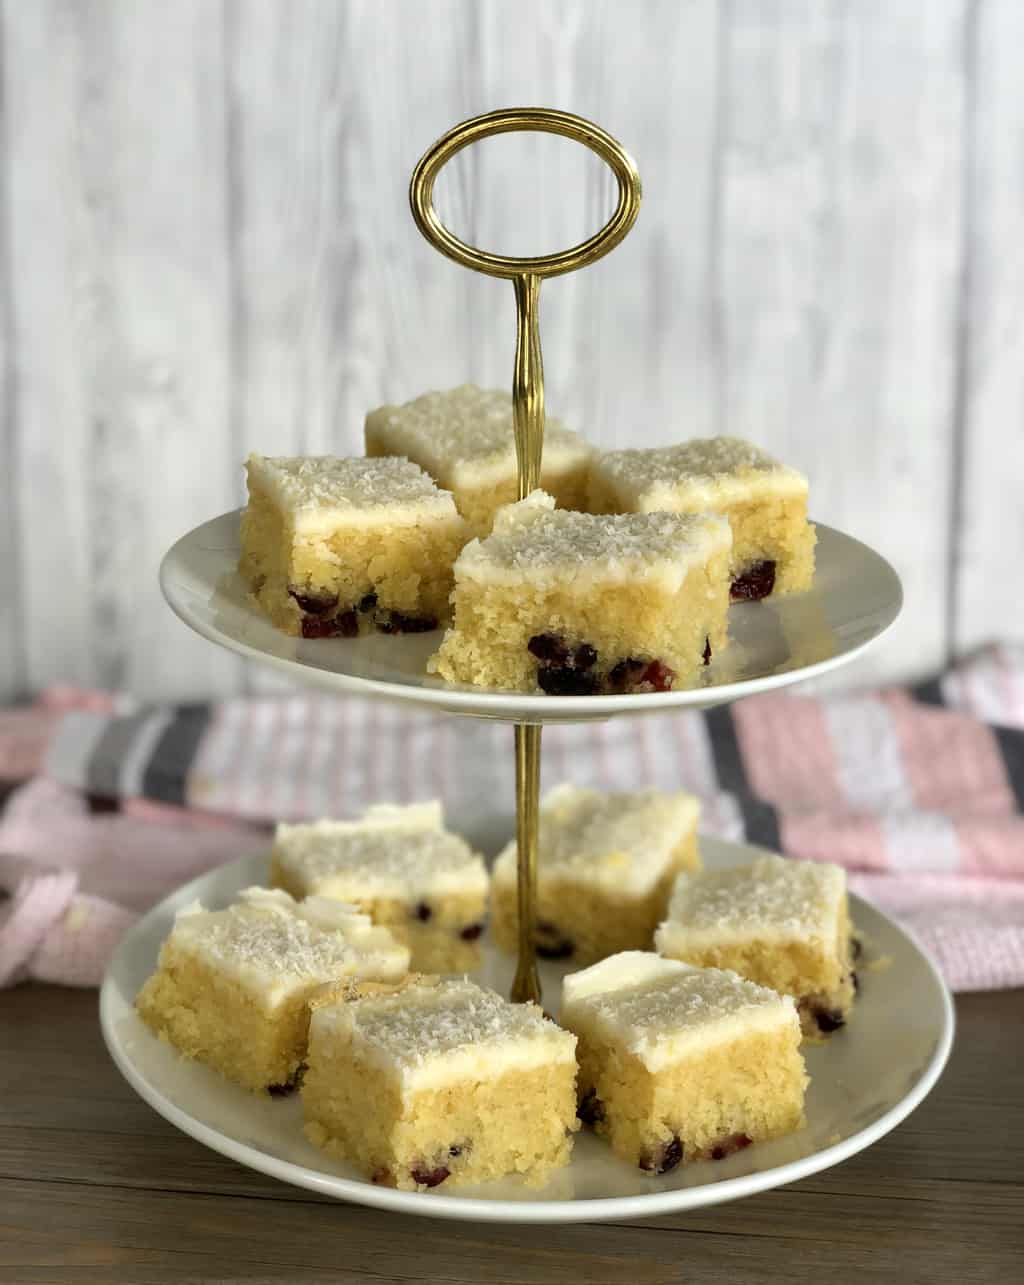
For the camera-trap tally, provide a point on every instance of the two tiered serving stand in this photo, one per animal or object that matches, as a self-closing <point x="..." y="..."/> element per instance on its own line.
<point x="863" y="1082"/>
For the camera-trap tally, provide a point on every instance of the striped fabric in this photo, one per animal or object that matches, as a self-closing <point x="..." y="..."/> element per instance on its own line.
<point x="919" y="793"/>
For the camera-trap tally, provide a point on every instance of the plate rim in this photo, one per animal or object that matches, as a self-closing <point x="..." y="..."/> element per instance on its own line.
<point x="521" y="706"/>
<point x="478" y="1209"/>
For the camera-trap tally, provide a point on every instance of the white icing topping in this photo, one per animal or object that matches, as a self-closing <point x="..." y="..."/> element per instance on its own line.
<point x="279" y="945"/>
<point x="535" y="543"/>
<point x="660" y="1010"/>
<point x="464" y="437"/>
<point x="625" y="842"/>
<point x="320" y="492"/>
<point x="429" y="1035"/>
<point x="774" y="899"/>
<point x="393" y="852"/>
<point x="701" y="474"/>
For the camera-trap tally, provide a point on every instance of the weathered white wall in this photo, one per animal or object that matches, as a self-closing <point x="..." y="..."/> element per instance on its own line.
<point x="206" y="249"/>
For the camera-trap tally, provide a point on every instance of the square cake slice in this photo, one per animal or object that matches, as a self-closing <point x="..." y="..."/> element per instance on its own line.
<point x="573" y="604"/>
<point x="334" y="547"/>
<point x="605" y="866"/>
<point x="680" y="1063"/>
<point x="765" y="502"/>
<point x="232" y="987"/>
<point x="401" y="867"/>
<point x="464" y="440"/>
<point x="440" y="1082"/>
<point x="780" y="922"/>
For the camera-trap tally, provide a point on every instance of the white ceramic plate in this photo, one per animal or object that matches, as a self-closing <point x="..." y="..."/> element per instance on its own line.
<point x="867" y="1079"/>
<point x="855" y="598"/>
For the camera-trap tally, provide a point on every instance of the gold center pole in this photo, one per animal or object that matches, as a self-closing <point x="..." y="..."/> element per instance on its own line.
<point x="527" y="984"/>
<point x="527" y="396"/>
<point x="528" y="425"/>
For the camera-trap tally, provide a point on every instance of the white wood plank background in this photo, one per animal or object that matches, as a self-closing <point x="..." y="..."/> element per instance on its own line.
<point x="205" y="249"/>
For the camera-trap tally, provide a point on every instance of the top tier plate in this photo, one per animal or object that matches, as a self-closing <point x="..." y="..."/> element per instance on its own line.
<point x="856" y="597"/>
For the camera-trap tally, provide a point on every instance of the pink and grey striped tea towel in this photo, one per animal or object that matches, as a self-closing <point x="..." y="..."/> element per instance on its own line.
<point x="918" y="792"/>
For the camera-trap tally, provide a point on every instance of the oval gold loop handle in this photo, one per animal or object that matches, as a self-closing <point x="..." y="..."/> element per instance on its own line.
<point x="527" y="396"/>
<point x="512" y="120"/>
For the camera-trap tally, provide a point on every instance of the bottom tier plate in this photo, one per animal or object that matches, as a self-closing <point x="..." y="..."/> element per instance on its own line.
<point x="867" y="1079"/>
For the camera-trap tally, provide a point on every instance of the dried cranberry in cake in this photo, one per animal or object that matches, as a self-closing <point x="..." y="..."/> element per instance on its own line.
<point x="625" y="675"/>
<point x="730" y="1145"/>
<point x="549" y="649"/>
<point x="368" y="602"/>
<point x="314" y="605"/>
<point x="756" y="582"/>
<point x="664" y="1160"/>
<point x="382" y="1178"/>
<point x="657" y="677"/>
<point x="563" y="680"/>
<point x="429" y="1177"/>
<point x="471" y="932"/>
<point x="423" y="912"/>
<point x="397" y="622"/>
<point x="344" y="625"/>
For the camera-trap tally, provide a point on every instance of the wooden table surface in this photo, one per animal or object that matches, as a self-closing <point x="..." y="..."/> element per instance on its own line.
<point x="96" y="1187"/>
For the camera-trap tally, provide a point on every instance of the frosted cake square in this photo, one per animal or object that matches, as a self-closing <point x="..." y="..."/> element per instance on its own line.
<point x="401" y="867"/>
<point x="680" y="1063"/>
<point x="765" y="502"/>
<point x="335" y="547"/>
<point x="464" y="440"/>
<point x="440" y="1082"/>
<point x="573" y="604"/>
<point x="605" y="866"/>
<point x="232" y="987"/>
<point x="781" y="923"/>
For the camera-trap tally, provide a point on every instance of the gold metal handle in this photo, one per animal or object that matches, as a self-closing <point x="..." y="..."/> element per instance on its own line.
<point x="527" y="392"/>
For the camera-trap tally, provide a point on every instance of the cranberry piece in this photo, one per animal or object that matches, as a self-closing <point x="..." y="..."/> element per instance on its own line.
<point x="382" y="1177"/>
<point x="312" y="605"/>
<point x="345" y="625"/>
<point x="658" y="676"/>
<point x="828" y="1019"/>
<point x="471" y="932"/>
<point x="626" y="674"/>
<point x="706" y="653"/>
<point x="558" y="950"/>
<point x="665" y="1160"/>
<point x="548" y="648"/>
<point x="368" y="602"/>
<point x="730" y="1145"/>
<point x="396" y="622"/>
<point x="591" y="1108"/>
<point x="429" y="1177"/>
<point x="755" y="583"/>
<point x="565" y="681"/>
<point x="583" y="657"/>
<point x="423" y="912"/>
